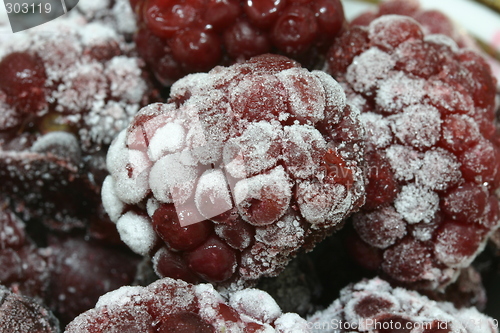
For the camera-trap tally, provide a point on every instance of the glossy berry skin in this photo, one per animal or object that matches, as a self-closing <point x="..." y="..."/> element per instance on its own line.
<point x="244" y="167"/>
<point x="169" y="305"/>
<point x="188" y="36"/>
<point x="432" y="154"/>
<point x="400" y="310"/>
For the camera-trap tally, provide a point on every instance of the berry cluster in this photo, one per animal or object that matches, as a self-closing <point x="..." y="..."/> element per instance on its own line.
<point x="169" y="305"/>
<point x="64" y="94"/>
<point x="432" y="150"/>
<point x="243" y="167"/>
<point x="374" y="306"/>
<point x="181" y="37"/>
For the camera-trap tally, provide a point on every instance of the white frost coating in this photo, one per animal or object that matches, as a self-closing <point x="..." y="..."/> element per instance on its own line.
<point x="111" y="203"/>
<point x="334" y="94"/>
<point x="378" y="132"/>
<point x="367" y="69"/>
<point x="119" y="297"/>
<point x="380" y="228"/>
<point x="442" y="40"/>
<point x="254" y="151"/>
<point x="405" y="161"/>
<point x="439" y="171"/>
<point x="124" y="17"/>
<point x="151" y="206"/>
<point x="212" y="195"/>
<point x="81" y="87"/>
<point x="418" y="125"/>
<point x="125" y="79"/>
<point x="381" y="29"/>
<point x="400" y="303"/>
<point x="62" y="144"/>
<point x="137" y="232"/>
<point x="130" y="170"/>
<point x="167" y="139"/>
<point x="302" y="88"/>
<point x="291" y="323"/>
<point x="96" y="33"/>
<point x="257" y="304"/>
<point x="416" y="203"/>
<point x="276" y="183"/>
<point x="172" y="174"/>
<point x="93" y="5"/>
<point x="304" y="148"/>
<point x="317" y="201"/>
<point x="400" y="91"/>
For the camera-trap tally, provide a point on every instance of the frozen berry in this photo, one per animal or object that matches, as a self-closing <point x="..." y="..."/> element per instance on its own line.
<point x="25" y="268"/>
<point x="241" y="169"/>
<point x="23" y="314"/>
<point x="432" y="158"/>
<point x="64" y="95"/>
<point x="197" y="35"/>
<point x="82" y="271"/>
<point x="169" y="305"/>
<point x="432" y="21"/>
<point x="374" y="306"/>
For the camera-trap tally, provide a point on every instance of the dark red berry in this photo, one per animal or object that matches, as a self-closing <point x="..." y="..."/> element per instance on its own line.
<point x="166" y="18"/>
<point x="196" y="49"/>
<point x="185" y="322"/>
<point x="258" y="152"/>
<point x="179" y="238"/>
<point x="294" y="31"/>
<point x="214" y="261"/>
<point x="23" y="80"/>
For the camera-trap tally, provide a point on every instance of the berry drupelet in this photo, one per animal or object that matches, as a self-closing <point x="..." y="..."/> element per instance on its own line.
<point x="181" y="37"/>
<point x="241" y="169"/>
<point x="432" y="150"/>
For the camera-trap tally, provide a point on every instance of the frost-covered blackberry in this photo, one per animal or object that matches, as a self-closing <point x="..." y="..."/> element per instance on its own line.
<point x="241" y="169"/>
<point x="432" y="151"/>
<point x="65" y="93"/>
<point x="374" y="306"/>
<point x="169" y="305"/>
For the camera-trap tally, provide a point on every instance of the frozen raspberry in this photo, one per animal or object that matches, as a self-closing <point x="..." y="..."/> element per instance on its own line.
<point x="242" y="168"/>
<point x="169" y="305"/>
<point x="65" y="93"/>
<point x="82" y="271"/>
<point x="432" y="154"/>
<point x="374" y="306"/>
<point x="431" y="20"/>
<point x="181" y="37"/>
<point x="23" y="314"/>
<point x="25" y="268"/>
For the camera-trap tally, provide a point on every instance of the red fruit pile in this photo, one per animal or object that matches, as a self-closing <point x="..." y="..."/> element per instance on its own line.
<point x="23" y="314"/>
<point x="241" y="169"/>
<point x="374" y="306"/>
<point x="170" y="305"/>
<point x="64" y="94"/>
<point x="432" y="150"/>
<point x="181" y="37"/>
